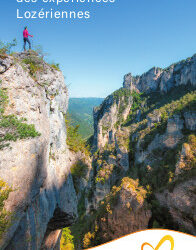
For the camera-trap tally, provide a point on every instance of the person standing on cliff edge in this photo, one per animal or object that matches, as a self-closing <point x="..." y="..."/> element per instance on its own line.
<point x="26" y="38"/>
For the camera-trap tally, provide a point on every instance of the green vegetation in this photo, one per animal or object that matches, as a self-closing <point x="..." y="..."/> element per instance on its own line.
<point x="5" y="217"/>
<point x="104" y="173"/>
<point x="122" y="97"/>
<point x="123" y="139"/>
<point x="161" y="217"/>
<point x="104" y="168"/>
<point x="16" y="129"/>
<point x="147" y="103"/>
<point x="122" y="93"/>
<point x="87" y="230"/>
<point x="11" y="127"/>
<point x="155" y="176"/>
<point x="55" y="66"/>
<point x="187" y="163"/>
<point x="176" y="102"/>
<point x="81" y="112"/>
<point x="105" y="128"/>
<point x="78" y="170"/>
<point x="187" y="102"/>
<point x="82" y="225"/>
<point x="5" y="48"/>
<point x="93" y="236"/>
<point x="173" y="103"/>
<point x="34" y="63"/>
<point x="39" y="51"/>
<point x="191" y="157"/>
<point x="160" y="174"/>
<point x="74" y="139"/>
<point x="66" y="240"/>
<point x="3" y="100"/>
<point x="137" y="101"/>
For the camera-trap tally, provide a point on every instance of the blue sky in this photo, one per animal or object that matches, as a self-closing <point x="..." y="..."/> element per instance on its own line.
<point x="126" y="36"/>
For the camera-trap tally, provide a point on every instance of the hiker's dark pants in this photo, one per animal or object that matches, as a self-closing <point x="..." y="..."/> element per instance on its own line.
<point x="26" y="40"/>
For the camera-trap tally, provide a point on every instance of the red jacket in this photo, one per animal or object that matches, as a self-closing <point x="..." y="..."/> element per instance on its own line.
<point x="26" y="34"/>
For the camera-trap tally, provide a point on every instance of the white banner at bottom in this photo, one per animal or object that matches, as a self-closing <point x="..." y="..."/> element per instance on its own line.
<point x="157" y="239"/>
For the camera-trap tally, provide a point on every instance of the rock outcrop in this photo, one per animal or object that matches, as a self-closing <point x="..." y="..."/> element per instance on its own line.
<point x="122" y="211"/>
<point x="127" y="214"/>
<point x="38" y="169"/>
<point x="106" y="117"/>
<point x="157" y="79"/>
<point x="181" y="203"/>
<point x="145" y="131"/>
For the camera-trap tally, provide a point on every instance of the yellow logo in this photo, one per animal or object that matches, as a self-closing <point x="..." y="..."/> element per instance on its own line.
<point x="167" y="237"/>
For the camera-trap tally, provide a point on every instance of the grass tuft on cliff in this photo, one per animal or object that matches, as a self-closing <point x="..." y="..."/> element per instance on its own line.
<point x="13" y="128"/>
<point x="3" y="100"/>
<point x="33" y="63"/>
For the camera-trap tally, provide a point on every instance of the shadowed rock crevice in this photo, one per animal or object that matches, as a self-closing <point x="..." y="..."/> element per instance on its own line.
<point x="59" y="220"/>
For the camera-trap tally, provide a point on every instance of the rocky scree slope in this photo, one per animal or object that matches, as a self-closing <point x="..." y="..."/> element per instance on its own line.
<point x="144" y="157"/>
<point x="38" y="197"/>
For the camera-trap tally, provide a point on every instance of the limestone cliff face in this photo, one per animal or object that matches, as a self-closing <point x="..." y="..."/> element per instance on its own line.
<point x="44" y="199"/>
<point x="106" y="118"/>
<point x="146" y="131"/>
<point x="157" y="79"/>
<point x="181" y="204"/>
<point x="128" y="212"/>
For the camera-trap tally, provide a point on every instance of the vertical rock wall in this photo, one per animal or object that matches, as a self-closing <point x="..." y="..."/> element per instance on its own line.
<point x="38" y="168"/>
